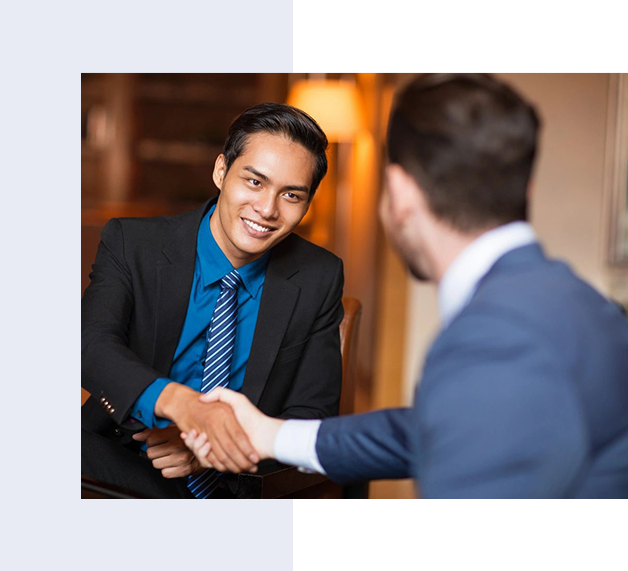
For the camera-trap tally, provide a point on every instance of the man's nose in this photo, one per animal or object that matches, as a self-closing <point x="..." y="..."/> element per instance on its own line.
<point x="266" y="205"/>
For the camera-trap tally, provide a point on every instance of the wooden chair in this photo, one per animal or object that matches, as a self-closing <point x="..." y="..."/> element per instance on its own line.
<point x="274" y="480"/>
<point x="349" y="349"/>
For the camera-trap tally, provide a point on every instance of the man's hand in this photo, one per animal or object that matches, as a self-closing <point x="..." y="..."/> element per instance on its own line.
<point x="167" y="452"/>
<point x="261" y="429"/>
<point x="231" y="449"/>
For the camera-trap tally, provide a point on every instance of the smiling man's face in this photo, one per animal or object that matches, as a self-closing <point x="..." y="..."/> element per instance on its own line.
<point x="263" y="196"/>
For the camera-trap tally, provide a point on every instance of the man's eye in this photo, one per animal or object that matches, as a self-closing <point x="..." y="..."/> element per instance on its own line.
<point x="292" y="196"/>
<point x="255" y="182"/>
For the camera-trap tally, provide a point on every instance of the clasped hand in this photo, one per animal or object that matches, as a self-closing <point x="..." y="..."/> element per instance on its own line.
<point x="167" y="452"/>
<point x="259" y="428"/>
<point x="231" y="449"/>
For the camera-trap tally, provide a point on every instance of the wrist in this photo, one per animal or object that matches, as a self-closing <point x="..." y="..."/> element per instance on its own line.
<point x="169" y="403"/>
<point x="267" y="447"/>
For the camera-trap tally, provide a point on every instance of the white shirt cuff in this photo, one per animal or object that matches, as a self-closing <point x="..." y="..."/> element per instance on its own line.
<point x="295" y="444"/>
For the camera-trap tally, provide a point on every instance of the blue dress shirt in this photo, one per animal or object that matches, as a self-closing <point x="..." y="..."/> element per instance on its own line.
<point x="187" y="367"/>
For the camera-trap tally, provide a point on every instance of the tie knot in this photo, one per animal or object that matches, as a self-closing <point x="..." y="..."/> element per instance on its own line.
<point x="231" y="281"/>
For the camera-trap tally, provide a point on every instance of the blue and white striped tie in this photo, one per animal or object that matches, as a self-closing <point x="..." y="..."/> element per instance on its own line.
<point x="220" y="342"/>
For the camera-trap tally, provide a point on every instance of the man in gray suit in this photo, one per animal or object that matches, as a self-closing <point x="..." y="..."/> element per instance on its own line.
<point x="524" y="392"/>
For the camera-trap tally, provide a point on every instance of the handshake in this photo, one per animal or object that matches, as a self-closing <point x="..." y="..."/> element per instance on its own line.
<point x="221" y="429"/>
<point x="259" y="428"/>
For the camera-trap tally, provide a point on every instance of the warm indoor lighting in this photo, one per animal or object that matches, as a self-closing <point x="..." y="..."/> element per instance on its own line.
<point x="333" y="104"/>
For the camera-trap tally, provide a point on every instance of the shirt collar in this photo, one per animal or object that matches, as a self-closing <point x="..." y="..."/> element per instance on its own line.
<point x="464" y="274"/>
<point x="215" y="265"/>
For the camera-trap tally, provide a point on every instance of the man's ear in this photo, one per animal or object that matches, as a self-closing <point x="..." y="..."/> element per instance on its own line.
<point x="530" y="192"/>
<point x="220" y="171"/>
<point x="403" y="192"/>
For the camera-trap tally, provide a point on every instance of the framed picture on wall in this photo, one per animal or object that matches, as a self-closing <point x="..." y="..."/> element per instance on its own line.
<point x="617" y="161"/>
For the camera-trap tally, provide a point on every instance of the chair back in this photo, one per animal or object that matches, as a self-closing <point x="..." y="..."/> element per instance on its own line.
<point x="348" y="347"/>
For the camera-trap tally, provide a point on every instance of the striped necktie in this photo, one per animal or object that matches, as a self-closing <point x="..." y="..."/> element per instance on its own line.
<point x="220" y="342"/>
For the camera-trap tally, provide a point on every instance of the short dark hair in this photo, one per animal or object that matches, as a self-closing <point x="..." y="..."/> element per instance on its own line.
<point x="280" y="119"/>
<point x="469" y="141"/>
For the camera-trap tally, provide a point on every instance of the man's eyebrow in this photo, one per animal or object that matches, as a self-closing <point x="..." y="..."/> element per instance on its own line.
<point x="295" y="187"/>
<point x="257" y="173"/>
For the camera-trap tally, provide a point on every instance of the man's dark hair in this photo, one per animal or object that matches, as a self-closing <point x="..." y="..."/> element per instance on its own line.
<point x="469" y="141"/>
<point x="279" y="119"/>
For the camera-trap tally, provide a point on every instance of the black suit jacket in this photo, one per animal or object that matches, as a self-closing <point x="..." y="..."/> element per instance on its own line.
<point x="135" y="306"/>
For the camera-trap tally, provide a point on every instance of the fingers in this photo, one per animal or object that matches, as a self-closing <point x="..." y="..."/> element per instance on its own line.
<point x="230" y="448"/>
<point x="141" y="436"/>
<point x="189" y="438"/>
<point x="219" y="457"/>
<point x="211" y="459"/>
<point x="245" y="449"/>
<point x="182" y="470"/>
<point x="200" y="447"/>
<point x="236" y="443"/>
<point x="229" y="442"/>
<point x="179" y="459"/>
<point x="162" y="450"/>
<point x="155" y="436"/>
<point x="178" y="471"/>
<point x="163" y="442"/>
<point x="202" y="450"/>
<point x="161" y="436"/>
<point x="168" y="453"/>
<point x="218" y="465"/>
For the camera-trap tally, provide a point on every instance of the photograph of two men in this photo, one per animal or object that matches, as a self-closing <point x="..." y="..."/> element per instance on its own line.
<point x="354" y="286"/>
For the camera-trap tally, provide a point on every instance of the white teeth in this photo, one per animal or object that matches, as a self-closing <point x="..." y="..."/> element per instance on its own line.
<point x="256" y="226"/>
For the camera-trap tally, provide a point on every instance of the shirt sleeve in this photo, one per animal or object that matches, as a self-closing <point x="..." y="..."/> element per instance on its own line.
<point x="295" y="444"/>
<point x="144" y="407"/>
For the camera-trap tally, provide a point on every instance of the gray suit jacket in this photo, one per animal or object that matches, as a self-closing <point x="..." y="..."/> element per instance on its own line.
<point x="525" y="394"/>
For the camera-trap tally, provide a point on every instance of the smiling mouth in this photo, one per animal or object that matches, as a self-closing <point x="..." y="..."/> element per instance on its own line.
<point x="257" y="227"/>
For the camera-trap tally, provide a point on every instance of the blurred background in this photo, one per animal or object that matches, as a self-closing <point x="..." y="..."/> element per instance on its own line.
<point x="149" y="142"/>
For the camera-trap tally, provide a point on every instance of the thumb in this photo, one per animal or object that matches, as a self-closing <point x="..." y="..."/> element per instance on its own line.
<point x="218" y="394"/>
<point x="141" y="436"/>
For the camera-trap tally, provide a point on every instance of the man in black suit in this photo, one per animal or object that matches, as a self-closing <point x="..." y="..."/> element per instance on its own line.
<point x="153" y="290"/>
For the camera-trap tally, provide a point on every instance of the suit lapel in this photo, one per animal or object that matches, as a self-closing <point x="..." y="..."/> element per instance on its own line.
<point x="174" y="274"/>
<point x="514" y="260"/>
<point x="279" y="298"/>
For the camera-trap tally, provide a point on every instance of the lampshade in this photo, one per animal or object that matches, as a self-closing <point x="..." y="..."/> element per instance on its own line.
<point x="334" y="104"/>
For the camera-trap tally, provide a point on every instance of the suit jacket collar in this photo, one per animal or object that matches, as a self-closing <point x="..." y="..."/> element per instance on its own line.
<point x="466" y="272"/>
<point x="279" y="298"/>
<point x="174" y="275"/>
<point x="518" y="258"/>
<point x="514" y="260"/>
